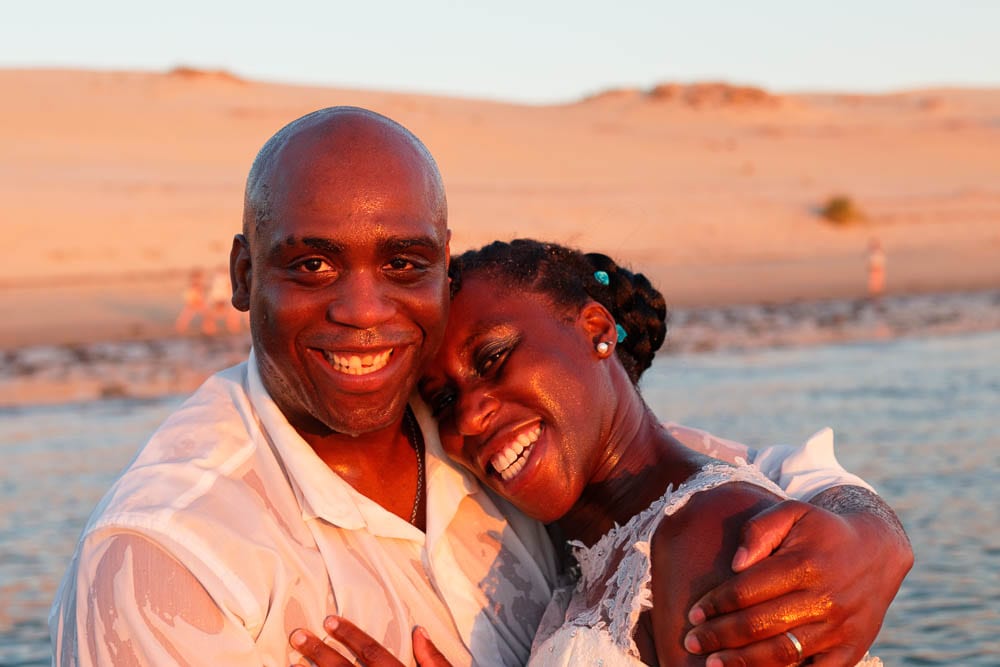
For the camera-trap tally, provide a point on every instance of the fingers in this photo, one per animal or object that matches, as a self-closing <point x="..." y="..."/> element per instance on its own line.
<point x="755" y="624"/>
<point x="424" y="651"/>
<point x="311" y="647"/>
<point x="777" y="650"/>
<point x="763" y="533"/>
<point x="368" y="651"/>
<point x="779" y="575"/>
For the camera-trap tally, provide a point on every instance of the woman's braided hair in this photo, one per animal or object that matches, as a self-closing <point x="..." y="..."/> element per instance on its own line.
<point x="567" y="277"/>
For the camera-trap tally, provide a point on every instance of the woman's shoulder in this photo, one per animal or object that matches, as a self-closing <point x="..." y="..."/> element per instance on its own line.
<point x="691" y="553"/>
<point x="708" y="509"/>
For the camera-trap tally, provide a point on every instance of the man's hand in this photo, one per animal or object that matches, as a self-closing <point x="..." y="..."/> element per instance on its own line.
<point x="825" y="575"/>
<point x="366" y="650"/>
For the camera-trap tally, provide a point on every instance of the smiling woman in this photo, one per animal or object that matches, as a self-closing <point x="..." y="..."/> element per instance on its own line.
<point x="520" y="400"/>
<point x="535" y="390"/>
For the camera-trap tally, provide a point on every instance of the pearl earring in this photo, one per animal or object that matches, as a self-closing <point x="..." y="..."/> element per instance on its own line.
<point x="603" y="347"/>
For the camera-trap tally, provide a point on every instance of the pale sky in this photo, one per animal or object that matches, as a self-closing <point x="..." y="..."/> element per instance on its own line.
<point x="520" y="50"/>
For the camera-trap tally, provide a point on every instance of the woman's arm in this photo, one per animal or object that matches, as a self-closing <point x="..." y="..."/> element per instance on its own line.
<point x="691" y="553"/>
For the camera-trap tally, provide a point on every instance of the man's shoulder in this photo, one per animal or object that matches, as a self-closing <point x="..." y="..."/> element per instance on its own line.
<point x="216" y="420"/>
<point x="208" y="492"/>
<point x="194" y="464"/>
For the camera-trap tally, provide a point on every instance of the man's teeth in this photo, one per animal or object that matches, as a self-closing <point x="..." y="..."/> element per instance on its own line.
<point x="357" y="364"/>
<point x="511" y="459"/>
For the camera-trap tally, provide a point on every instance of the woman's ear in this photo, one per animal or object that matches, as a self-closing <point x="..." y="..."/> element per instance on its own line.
<point x="599" y="326"/>
<point x="239" y="272"/>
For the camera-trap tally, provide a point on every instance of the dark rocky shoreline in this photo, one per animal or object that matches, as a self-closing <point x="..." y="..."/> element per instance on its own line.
<point x="48" y="374"/>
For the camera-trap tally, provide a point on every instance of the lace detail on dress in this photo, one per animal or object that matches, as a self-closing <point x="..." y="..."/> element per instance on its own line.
<point x="618" y="564"/>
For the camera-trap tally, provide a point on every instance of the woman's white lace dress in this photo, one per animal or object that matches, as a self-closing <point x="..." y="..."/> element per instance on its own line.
<point x="600" y="632"/>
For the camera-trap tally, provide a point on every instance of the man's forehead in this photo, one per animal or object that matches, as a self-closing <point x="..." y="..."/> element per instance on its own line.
<point x="348" y="178"/>
<point x="369" y="144"/>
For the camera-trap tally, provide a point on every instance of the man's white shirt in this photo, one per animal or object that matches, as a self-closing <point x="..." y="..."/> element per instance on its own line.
<point x="227" y="532"/>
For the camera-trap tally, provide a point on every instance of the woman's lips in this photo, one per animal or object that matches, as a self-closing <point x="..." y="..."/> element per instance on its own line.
<point x="510" y="460"/>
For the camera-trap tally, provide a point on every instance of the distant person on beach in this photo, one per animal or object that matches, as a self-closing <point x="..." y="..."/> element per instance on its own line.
<point x="194" y="304"/>
<point x="536" y="392"/>
<point x="876" y="269"/>
<point x="220" y="298"/>
<point x="310" y="479"/>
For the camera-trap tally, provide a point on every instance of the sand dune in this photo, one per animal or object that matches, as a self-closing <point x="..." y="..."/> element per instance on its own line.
<point x="115" y="184"/>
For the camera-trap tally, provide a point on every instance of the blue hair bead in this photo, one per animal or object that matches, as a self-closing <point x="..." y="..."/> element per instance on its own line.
<point x="602" y="277"/>
<point x="622" y="334"/>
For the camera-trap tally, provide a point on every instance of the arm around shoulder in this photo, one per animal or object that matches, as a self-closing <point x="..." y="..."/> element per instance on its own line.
<point x="845" y="553"/>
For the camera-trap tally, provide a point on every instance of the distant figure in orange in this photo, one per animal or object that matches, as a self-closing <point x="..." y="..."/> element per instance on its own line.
<point x="876" y="269"/>
<point x="194" y="302"/>
<point x="220" y="294"/>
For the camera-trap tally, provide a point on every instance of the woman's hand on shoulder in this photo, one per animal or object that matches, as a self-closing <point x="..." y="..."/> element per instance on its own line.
<point x="366" y="651"/>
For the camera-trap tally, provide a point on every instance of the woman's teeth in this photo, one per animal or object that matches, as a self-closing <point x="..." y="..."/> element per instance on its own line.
<point x="358" y="364"/>
<point x="509" y="461"/>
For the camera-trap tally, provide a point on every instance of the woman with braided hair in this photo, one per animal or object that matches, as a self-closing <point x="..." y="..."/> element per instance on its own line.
<point x="535" y="389"/>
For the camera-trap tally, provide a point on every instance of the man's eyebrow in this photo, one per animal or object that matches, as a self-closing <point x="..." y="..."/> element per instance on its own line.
<point x="323" y="244"/>
<point x="386" y="246"/>
<point x="399" y="244"/>
<point x="315" y="242"/>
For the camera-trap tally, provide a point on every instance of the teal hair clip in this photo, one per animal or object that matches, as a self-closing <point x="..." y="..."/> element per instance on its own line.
<point x="622" y="334"/>
<point x="602" y="277"/>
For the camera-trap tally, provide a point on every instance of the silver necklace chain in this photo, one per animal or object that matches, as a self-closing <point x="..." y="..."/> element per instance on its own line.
<point x="416" y="439"/>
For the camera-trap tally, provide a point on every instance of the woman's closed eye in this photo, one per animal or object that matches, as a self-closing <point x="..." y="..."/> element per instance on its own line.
<point x="440" y="402"/>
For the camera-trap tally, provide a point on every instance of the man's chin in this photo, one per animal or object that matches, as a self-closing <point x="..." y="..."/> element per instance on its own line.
<point x="365" y="419"/>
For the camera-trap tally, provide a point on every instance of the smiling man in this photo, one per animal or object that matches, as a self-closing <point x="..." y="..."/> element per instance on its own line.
<point x="299" y="483"/>
<point x="343" y="266"/>
<point x="307" y="481"/>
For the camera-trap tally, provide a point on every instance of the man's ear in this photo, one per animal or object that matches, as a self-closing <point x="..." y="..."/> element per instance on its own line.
<point x="598" y="324"/>
<point x="239" y="272"/>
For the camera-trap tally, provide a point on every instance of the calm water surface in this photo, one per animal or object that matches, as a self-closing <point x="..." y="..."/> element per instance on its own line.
<point x="917" y="418"/>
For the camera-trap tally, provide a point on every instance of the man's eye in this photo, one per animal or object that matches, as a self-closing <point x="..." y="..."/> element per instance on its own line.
<point x="313" y="265"/>
<point x="400" y="264"/>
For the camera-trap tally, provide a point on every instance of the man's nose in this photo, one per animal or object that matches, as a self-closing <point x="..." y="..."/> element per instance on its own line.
<point x="474" y="411"/>
<point x="362" y="300"/>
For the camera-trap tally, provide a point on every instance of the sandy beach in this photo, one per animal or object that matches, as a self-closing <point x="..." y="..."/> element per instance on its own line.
<point x="118" y="184"/>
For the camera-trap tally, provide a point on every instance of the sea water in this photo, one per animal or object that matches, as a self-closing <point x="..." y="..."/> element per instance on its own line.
<point x="917" y="418"/>
<point x="920" y="421"/>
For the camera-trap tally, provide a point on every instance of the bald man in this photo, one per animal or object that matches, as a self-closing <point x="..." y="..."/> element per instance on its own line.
<point x="307" y="481"/>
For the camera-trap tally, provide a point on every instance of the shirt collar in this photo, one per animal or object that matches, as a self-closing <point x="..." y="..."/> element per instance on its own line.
<point x="325" y="495"/>
<point x="447" y="483"/>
